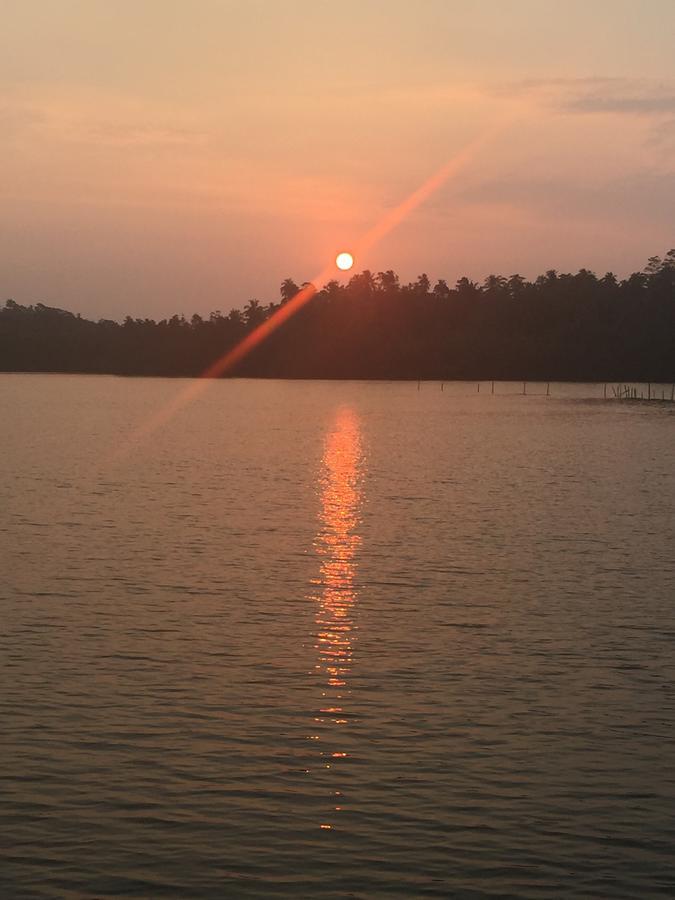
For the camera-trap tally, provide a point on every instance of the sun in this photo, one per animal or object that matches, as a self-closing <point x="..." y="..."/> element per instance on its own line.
<point x="344" y="261"/>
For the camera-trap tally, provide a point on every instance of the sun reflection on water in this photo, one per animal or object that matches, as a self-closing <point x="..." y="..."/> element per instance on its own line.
<point x="336" y="544"/>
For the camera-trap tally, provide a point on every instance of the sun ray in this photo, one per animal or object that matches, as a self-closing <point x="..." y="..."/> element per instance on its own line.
<point x="374" y="235"/>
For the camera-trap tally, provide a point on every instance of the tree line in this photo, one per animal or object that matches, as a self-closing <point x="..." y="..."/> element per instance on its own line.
<point x="577" y="327"/>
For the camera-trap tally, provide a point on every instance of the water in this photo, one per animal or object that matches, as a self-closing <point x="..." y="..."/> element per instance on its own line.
<point x="335" y="640"/>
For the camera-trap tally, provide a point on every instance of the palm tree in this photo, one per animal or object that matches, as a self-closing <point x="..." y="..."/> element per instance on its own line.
<point x="288" y="290"/>
<point x="254" y="313"/>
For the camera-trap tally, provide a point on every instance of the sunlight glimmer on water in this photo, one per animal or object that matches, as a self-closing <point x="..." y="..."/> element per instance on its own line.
<point x="336" y="544"/>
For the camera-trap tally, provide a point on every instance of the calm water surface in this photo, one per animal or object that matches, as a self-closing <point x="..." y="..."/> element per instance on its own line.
<point x="330" y="640"/>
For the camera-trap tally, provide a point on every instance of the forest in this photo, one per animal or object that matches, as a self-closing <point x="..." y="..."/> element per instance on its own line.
<point x="573" y="327"/>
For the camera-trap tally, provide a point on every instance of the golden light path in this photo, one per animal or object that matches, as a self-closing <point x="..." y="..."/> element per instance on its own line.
<point x="336" y="544"/>
<point x="384" y="226"/>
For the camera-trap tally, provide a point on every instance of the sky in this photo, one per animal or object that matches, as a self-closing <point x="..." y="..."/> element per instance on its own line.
<point x="166" y="156"/>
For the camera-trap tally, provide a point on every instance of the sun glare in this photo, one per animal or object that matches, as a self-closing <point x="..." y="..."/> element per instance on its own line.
<point x="344" y="261"/>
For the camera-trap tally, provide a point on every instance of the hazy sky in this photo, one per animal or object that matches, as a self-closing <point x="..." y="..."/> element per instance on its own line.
<point x="161" y="156"/>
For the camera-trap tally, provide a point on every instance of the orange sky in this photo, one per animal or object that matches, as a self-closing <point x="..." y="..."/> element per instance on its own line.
<point x="162" y="157"/>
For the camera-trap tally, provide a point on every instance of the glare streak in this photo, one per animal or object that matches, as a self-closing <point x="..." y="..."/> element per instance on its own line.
<point x="395" y="216"/>
<point x="227" y="362"/>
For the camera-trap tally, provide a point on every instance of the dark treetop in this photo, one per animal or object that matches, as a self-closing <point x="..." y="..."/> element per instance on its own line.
<point x="558" y="327"/>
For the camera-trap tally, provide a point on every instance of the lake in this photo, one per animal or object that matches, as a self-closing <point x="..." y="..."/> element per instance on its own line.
<point x="331" y="640"/>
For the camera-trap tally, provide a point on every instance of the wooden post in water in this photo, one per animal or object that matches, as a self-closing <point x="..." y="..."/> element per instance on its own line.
<point x="524" y="388"/>
<point x="478" y="386"/>
<point x="442" y="384"/>
<point x="605" y="393"/>
<point x="493" y="387"/>
<point x="548" y="388"/>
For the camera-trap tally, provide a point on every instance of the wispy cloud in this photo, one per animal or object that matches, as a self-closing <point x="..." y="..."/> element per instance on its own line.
<point x="645" y="102"/>
<point x="642" y="101"/>
<point x="663" y="136"/>
<point x="657" y="101"/>
<point x="17" y="118"/>
<point x="644" y="196"/>
<point x="596" y="94"/>
<point x="80" y="120"/>
<point x="133" y="134"/>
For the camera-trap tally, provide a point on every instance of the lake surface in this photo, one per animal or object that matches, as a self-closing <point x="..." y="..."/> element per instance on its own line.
<point x="326" y="640"/>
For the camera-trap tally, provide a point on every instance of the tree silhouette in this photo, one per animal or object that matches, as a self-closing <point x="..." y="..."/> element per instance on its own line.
<point x="288" y="290"/>
<point x="559" y="326"/>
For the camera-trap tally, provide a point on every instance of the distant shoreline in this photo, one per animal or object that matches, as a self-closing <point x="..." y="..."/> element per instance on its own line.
<point x="534" y="382"/>
<point x="577" y="328"/>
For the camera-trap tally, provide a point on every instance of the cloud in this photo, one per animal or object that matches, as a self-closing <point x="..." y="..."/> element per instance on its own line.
<point x="133" y="134"/>
<point x="79" y="119"/>
<point x="656" y="102"/>
<point x="642" y="100"/>
<point x="653" y="103"/>
<point x="597" y="94"/>
<point x="663" y="135"/>
<point x="529" y="85"/>
<point x="15" y="119"/>
<point x="646" y="196"/>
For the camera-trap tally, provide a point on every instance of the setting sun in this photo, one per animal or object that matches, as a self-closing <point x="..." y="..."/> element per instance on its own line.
<point x="344" y="261"/>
